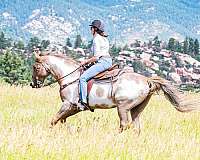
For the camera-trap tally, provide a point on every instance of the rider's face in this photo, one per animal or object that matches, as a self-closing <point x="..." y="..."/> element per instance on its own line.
<point x="92" y="30"/>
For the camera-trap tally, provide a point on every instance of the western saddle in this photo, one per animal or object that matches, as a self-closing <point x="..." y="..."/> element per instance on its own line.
<point x="109" y="73"/>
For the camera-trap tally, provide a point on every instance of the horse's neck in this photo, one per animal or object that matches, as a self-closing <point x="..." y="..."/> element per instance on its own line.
<point x="61" y="68"/>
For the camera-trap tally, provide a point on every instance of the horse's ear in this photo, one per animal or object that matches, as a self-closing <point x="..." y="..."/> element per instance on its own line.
<point x="37" y="57"/>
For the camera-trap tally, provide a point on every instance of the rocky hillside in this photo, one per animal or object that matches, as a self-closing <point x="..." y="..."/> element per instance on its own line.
<point x="126" y="20"/>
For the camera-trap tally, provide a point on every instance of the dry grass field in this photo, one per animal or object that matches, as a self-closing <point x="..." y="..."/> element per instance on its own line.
<point x="25" y="115"/>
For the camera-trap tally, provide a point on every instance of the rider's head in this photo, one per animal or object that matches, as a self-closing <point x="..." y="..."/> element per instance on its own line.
<point x="97" y="27"/>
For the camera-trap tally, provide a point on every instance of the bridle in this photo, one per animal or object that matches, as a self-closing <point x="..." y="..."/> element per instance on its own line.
<point x="50" y="72"/>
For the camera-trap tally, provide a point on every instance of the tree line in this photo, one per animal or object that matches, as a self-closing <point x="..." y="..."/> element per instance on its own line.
<point x="189" y="46"/>
<point x="16" y="56"/>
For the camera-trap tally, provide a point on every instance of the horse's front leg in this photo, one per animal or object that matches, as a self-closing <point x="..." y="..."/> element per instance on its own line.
<point x="65" y="111"/>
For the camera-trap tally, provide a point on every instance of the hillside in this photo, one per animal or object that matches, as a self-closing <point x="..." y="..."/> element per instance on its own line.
<point x="125" y="19"/>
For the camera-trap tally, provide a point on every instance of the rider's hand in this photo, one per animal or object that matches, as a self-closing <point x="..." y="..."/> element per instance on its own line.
<point x="83" y="63"/>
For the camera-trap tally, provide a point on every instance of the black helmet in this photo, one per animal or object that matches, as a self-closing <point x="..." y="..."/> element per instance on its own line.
<point x="98" y="24"/>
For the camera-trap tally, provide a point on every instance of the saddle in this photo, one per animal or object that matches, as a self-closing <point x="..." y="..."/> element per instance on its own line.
<point x="109" y="73"/>
<point x="106" y="76"/>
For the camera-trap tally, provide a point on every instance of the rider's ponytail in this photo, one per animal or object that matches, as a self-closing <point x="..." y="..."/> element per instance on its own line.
<point x="101" y="33"/>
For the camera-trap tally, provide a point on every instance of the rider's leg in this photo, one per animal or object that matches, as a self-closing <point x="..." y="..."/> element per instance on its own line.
<point x="100" y="66"/>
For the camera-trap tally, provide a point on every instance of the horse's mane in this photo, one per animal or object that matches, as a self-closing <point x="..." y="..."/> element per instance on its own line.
<point x="62" y="56"/>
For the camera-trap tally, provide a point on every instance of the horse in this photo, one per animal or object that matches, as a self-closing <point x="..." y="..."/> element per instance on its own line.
<point x="129" y="93"/>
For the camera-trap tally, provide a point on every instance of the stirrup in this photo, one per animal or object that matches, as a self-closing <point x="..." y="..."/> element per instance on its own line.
<point x="86" y="105"/>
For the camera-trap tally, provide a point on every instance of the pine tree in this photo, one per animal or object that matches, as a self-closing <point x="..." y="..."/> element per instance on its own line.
<point x="137" y="43"/>
<point x="150" y="43"/>
<point x="171" y="44"/>
<point x="191" y="47"/>
<point x="89" y="44"/>
<point x="44" y="44"/>
<point x="186" y="46"/>
<point x="114" y="51"/>
<point x="78" y="42"/>
<point x="13" y="69"/>
<point x="156" y="42"/>
<point x="19" y="45"/>
<point x="34" y="42"/>
<point x="178" y="47"/>
<point x="68" y="43"/>
<point x="4" y="42"/>
<point x="196" y="47"/>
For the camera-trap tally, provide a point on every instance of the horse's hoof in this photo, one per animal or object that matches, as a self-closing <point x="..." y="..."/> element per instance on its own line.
<point x="53" y="123"/>
<point x="136" y="132"/>
<point x="63" y="120"/>
<point x="120" y="130"/>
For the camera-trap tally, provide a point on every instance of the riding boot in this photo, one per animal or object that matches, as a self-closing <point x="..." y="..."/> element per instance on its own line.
<point x="83" y="106"/>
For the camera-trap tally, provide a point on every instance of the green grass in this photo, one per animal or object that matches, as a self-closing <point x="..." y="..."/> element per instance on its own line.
<point x="25" y="116"/>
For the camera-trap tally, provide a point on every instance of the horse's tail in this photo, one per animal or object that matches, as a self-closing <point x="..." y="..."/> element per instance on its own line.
<point x="181" y="102"/>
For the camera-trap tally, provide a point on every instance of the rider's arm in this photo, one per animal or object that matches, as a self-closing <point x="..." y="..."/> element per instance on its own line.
<point x="90" y="60"/>
<point x="96" y="51"/>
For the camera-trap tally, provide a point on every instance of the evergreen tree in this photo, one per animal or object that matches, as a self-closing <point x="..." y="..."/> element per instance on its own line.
<point x="150" y="43"/>
<point x="191" y="47"/>
<point x="114" y="51"/>
<point x="171" y="44"/>
<point x="34" y="42"/>
<point x="78" y="42"/>
<point x="89" y="45"/>
<point x="178" y="47"/>
<point x="186" y="46"/>
<point x="156" y="42"/>
<point x="13" y="68"/>
<point x="4" y="42"/>
<point x="196" y="47"/>
<point x="19" y="45"/>
<point x="137" y="43"/>
<point x="138" y="66"/>
<point x="44" y="44"/>
<point x="68" y="43"/>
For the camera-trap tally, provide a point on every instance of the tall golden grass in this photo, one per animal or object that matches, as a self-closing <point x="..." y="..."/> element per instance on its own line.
<point x="25" y="115"/>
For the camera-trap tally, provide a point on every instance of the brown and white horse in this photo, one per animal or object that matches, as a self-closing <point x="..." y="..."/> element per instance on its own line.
<point x="130" y="93"/>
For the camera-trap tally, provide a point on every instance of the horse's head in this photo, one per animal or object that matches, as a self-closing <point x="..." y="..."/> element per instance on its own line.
<point x="40" y="72"/>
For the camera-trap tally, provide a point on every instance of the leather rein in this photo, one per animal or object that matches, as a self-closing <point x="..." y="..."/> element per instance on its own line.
<point x="65" y="85"/>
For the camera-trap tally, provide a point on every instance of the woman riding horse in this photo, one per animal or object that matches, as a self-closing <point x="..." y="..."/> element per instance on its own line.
<point x="100" y="49"/>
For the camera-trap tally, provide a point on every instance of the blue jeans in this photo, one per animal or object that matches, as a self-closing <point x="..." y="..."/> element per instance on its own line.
<point x="101" y="65"/>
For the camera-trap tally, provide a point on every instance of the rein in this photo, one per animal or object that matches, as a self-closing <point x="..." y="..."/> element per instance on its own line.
<point x="48" y="84"/>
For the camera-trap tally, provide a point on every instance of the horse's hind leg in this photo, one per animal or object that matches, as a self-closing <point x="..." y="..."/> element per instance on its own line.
<point x="65" y="111"/>
<point x="123" y="110"/>
<point x="135" y="113"/>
